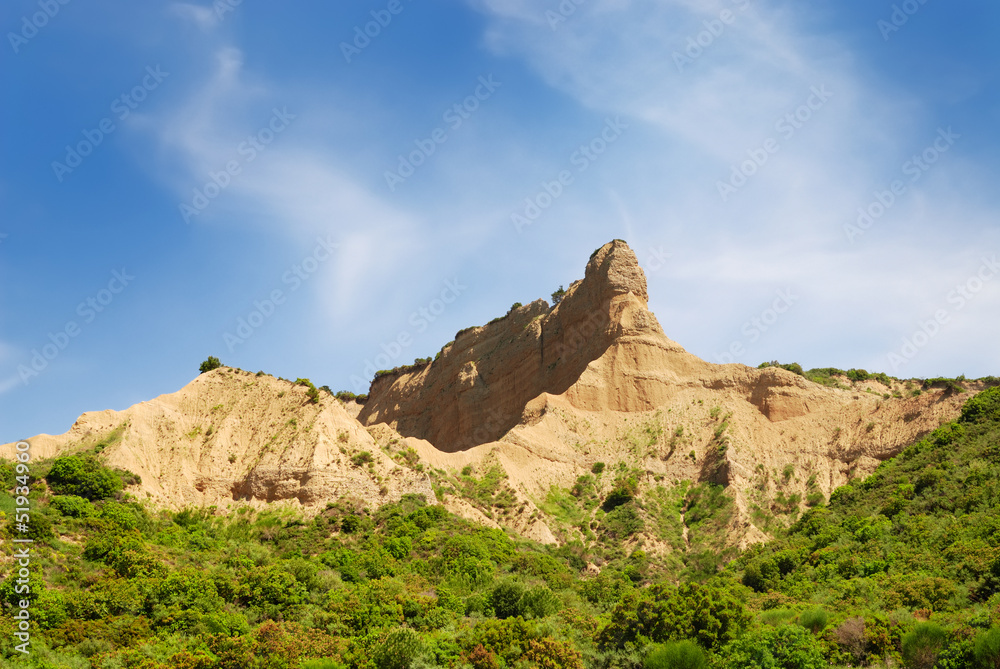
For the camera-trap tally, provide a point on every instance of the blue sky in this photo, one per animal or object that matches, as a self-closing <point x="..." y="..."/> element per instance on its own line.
<point x="264" y="182"/>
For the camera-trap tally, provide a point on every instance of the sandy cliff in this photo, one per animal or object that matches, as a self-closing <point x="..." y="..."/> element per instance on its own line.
<point x="542" y="393"/>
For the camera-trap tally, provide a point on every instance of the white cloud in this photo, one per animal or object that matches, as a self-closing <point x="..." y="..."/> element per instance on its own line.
<point x="205" y="18"/>
<point x="294" y="185"/>
<point x="785" y="226"/>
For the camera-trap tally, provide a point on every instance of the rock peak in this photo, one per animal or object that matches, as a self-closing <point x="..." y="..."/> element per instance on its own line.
<point x="479" y="386"/>
<point x="616" y="267"/>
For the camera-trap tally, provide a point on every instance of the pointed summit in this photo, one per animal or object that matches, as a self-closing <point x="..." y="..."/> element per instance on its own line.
<point x="615" y="266"/>
<point x="479" y="385"/>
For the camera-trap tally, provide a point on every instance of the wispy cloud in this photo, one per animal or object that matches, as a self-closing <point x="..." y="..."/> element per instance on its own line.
<point x="705" y="110"/>
<point x="294" y="185"/>
<point x="205" y="18"/>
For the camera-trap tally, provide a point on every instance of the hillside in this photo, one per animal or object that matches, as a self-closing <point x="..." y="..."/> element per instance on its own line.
<point x="529" y="423"/>
<point x="902" y="567"/>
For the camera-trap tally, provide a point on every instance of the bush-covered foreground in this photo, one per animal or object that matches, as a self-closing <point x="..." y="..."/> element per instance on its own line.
<point x="902" y="569"/>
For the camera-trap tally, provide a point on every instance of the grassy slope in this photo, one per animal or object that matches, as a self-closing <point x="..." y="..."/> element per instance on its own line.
<point x="124" y="587"/>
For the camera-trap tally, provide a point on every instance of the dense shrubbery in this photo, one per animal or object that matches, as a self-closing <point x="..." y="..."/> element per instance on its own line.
<point x="900" y="568"/>
<point x="346" y="396"/>
<point x="83" y="476"/>
<point x="824" y="375"/>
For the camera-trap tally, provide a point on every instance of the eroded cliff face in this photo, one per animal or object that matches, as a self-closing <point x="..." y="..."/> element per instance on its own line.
<point x="542" y="393"/>
<point x="601" y="348"/>
<point x="547" y="392"/>
<point x="477" y="389"/>
<point x="230" y="437"/>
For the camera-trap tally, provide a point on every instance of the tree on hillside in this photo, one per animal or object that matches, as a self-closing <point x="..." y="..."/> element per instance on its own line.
<point x="210" y="364"/>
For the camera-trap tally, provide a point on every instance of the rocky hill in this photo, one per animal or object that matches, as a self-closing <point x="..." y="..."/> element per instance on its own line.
<point x="513" y="422"/>
<point x="232" y="436"/>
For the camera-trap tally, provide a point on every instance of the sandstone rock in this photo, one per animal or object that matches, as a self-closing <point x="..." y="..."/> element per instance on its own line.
<point x="543" y="393"/>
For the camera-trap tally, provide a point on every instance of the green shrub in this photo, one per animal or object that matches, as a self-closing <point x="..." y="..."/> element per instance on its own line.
<point x="623" y="492"/>
<point x="72" y="506"/>
<point x="922" y="644"/>
<point x="83" y="476"/>
<point x="211" y="363"/>
<point x="622" y="522"/>
<point x="761" y="574"/>
<point x="677" y="655"/>
<point x="362" y="458"/>
<point x="709" y="615"/>
<point x="322" y="664"/>
<point x="312" y="392"/>
<point x="8" y="475"/>
<point x="987" y="649"/>
<point x="983" y="407"/>
<point x="597" y="468"/>
<point x="398" y="649"/>
<point x="39" y="528"/>
<point x="540" y="602"/>
<point x="785" y="647"/>
<point x="793" y="367"/>
<point x="814" y="620"/>
<point x="558" y="295"/>
<point x="506" y="599"/>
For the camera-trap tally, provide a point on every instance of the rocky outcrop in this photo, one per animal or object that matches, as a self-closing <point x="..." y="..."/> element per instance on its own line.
<point x="543" y="393"/>
<point x="479" y="386"/>
<point x="232" y="437"/>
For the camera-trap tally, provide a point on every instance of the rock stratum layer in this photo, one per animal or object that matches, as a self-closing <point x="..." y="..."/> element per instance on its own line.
<point x="542" y="393"/>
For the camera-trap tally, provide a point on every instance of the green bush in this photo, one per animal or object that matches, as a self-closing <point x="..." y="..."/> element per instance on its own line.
<point x="322" y="664"/>
<point x="677" y="655"/>
<point x="623" y="492"/>
<point x="506" y="599"/>
<point x="540" y="602"/>
<point x="398" y="649"/>
<point x="622" y="522"/>
<point x="785" y="647"/>
<point x="362" y="458"/>
<point x="39" y="528"/>
<point x="983" y="407"/>
<point x="72" y="506"/>
<point x="706" y="614"/>
<point x="83" y="476"/>
<point x="922" y="644"/>
<point x="761" y="574"/>
<point x="346" y="396"/>
<point x="814" y="620"/>
<point x="987" y="649"/>
<point x="312" y="392"/>
<point x="793" y="367"/>
<point x="8" y="475"/>
<point x="211" y="363"/>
